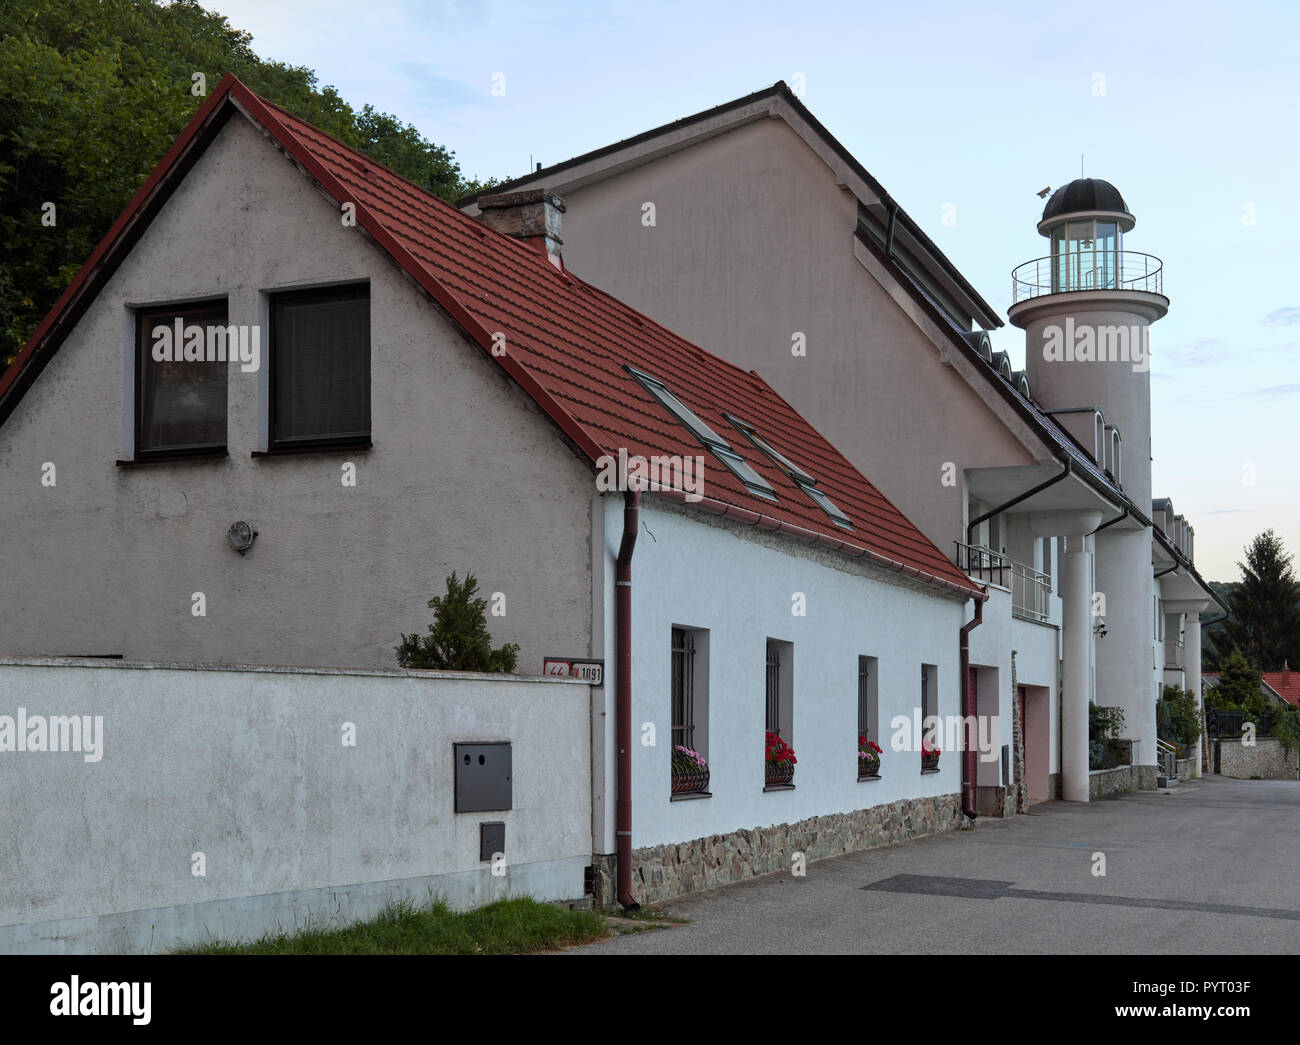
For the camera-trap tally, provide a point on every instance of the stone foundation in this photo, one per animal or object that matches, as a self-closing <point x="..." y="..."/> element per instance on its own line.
<point x="1106" y="783"/>
<point x="664" y="871"/>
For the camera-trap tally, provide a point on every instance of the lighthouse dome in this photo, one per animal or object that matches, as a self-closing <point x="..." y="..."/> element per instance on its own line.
<point x="1086" y="196"/>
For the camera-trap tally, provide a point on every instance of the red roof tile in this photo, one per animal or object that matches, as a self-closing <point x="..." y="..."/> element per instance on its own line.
<point x="1287" y="685"/>
<point x="567" y="343"/>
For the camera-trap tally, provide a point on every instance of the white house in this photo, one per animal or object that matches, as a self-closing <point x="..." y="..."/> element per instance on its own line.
<point x="751" y="229"/>
<point x="416" y="391"/>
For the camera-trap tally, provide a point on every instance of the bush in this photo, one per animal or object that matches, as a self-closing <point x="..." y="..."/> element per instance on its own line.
<point x="1177" y="718"/>
<point x="1104" y="725"/>
<point x="458" y="638"/>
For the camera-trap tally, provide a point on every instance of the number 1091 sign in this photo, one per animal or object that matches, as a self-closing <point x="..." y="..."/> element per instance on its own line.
<point x="591" y="671"/>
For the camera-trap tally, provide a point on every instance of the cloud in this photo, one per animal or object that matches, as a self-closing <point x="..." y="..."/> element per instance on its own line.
<point x="1198" y="353"/>
<point x="1227" y="511"/>
<point x="1274" y="391"/>
<point x="1288" y="315"/>
<point x="434" y="90"/>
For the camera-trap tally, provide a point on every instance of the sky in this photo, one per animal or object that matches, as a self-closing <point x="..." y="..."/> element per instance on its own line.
<point x="958" y="109"/>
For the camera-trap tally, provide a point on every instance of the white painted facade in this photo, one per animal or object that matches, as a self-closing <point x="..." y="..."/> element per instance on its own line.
<point x="738" y="584"/>
<point x="737" y="193"/>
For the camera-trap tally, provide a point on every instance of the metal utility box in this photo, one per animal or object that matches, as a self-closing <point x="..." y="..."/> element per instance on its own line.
<point x="491" y="839"/>
<point x="483" y="777"/>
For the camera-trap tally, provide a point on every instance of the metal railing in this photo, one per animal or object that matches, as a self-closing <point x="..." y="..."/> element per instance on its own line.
<point x="984" y="564"/>
<point x="1030" y="591"/>
<point x="1173" y="653"/>
<point x="1168" y="756"/>
<point x="1087" y="270"/>
<point x="1228" y="724"/>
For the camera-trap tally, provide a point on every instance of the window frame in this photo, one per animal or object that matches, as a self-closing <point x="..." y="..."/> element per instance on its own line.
<point x="797" y="475"/>
<point x="194" y="307"/>
<point x="722" y="450"/>
<point x="868" y="704"/>
<point x="352" y="291"/>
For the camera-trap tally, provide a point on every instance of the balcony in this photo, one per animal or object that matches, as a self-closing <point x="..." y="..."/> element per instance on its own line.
<point x="1030" y="589"/>
<point x="1174" y="654"/>
<point x="1108" y="270"/>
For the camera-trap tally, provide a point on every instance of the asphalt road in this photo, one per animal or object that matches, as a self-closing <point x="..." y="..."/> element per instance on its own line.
<point x="1211" y="867"/>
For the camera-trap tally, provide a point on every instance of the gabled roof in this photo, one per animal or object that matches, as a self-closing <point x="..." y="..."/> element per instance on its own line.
<point x="567" y="343"/>
<point x="773" y="97"/>
<point x="1286" y="684"/>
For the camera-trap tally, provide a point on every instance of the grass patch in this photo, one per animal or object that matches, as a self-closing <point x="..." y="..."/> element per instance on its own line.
<point x="518" y="926"/>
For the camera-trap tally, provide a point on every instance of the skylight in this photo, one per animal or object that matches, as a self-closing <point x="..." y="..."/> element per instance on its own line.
<point x="797" y="475"/>
<point x="719" y="447"/>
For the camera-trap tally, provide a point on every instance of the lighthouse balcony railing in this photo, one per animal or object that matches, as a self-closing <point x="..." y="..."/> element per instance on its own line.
<point x="1085" y="271"/>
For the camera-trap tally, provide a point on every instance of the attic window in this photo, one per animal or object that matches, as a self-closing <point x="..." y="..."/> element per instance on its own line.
<point x="719" y="447"/>
<point x="797" y="475"/>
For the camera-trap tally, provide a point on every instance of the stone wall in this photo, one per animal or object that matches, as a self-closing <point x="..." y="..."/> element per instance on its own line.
<point x="1266" y="759"/>
<point x="1107" y="783"/>
<point x="664" y="871"/>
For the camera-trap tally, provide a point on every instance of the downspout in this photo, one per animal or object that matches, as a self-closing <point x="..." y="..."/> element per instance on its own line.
<point x="969" y="766"/>
<point x="889" y="237"/>
<point x="1163" y="572"/>
<point x="623" y="630"/>
<point x="970" y="526"/>
<point x="1119" y="518"/>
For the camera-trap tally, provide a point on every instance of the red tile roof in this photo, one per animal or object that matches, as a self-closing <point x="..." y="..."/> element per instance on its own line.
<point x="567" y="343"/>
<point x="1286" y="684"/>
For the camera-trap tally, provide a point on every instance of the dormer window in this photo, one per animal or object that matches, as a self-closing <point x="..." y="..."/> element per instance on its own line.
<point x="801" y="478"/>
<point x="714" y="443"/>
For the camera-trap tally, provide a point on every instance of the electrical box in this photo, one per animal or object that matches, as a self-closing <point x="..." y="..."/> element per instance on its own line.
<point x="483" y="777"/>
<point x="491" y="839"/>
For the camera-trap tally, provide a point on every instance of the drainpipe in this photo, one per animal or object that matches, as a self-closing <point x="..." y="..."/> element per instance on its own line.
<point x="970" y="526"/>
<point x="623" y="630"/>
<point x="889" y="237"/>
<point x="969" y="707"/>
<point x="1119" y="518"/>
<point x="1163" y="572"/>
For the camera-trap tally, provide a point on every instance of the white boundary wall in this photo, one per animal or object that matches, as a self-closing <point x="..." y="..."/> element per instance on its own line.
<point x="248" y="767"/>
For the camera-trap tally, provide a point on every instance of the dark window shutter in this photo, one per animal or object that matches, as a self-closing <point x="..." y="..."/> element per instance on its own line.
<point x="321" y="367"/>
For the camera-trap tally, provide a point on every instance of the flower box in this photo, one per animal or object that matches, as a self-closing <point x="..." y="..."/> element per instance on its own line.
<point x="869" y="753"/>
<point x="690" y="773"/>
<point x="776" y="774"/>
<point x="929" y="762"/>
<point x="779" y="762"/>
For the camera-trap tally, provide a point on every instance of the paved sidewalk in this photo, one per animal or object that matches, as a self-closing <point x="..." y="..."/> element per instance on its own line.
<point x="1211" y="867"/>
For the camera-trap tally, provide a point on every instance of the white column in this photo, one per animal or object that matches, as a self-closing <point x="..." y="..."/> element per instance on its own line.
<point x="1192" y="674"/>
<point x="1076" y="639"/>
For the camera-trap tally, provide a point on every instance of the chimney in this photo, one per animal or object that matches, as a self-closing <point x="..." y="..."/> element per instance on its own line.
<point x="531" y="215"/>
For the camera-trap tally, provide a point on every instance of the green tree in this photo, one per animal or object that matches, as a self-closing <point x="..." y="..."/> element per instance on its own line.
<point x="1238" y="688"/>
<point x="458" y="638"/>
<point x="92" y="94"/>
<point x="1264" y="621"/>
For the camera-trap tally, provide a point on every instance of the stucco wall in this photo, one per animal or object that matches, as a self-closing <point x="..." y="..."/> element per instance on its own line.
<point x="465" y="474"/>
<point x="753" y="241"/>
<point x="249" y="768"/>
<point x="848" y="615"/>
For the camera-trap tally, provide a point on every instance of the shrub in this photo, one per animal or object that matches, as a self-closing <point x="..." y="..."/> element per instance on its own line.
<point x="1177" y="719"/>
<point x="458" y="638"/>
<point x="1104" y="725"/>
